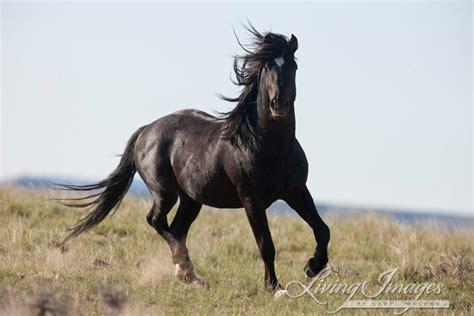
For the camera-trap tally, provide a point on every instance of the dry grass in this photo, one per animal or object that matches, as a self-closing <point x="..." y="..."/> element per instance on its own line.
<point x="123" y="268"/>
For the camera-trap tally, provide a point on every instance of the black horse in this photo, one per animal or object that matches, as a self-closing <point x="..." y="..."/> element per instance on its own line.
<point x="249" y="158"/>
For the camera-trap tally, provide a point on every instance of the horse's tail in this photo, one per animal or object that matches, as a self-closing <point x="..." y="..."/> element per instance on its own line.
<point x="115" y="186"/>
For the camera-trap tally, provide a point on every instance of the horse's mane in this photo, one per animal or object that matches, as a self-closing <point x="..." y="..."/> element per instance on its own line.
<point x="265" y="47"/>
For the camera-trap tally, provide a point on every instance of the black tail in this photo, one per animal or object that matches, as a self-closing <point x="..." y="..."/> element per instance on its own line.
<point x="115" y="186"/>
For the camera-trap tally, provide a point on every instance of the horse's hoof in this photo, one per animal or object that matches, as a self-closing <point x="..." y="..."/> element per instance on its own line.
<point x="312" y="268"/>
<point x="308" y="273"/>
<point x="199" y="283"/>
<point x="280" y="294"/>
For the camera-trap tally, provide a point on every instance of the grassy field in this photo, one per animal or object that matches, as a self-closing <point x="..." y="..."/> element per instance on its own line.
<point x="124" y="267"/>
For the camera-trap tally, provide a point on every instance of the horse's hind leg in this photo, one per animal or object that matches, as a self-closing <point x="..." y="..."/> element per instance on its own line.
<point x="187" y="212"/>
<point x="175" y="235"/>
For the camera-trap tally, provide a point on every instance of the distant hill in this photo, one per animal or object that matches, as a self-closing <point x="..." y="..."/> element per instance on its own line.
<point x="280" y="207"/>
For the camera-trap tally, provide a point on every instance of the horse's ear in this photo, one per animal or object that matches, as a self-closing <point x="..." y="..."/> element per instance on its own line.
<point x="293" y="44"/>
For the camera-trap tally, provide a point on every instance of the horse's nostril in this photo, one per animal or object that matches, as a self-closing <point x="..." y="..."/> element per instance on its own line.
<point x="273" y="103"/>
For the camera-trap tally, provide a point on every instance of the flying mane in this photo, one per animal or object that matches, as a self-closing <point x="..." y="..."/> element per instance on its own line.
<point x="264" y="47"/>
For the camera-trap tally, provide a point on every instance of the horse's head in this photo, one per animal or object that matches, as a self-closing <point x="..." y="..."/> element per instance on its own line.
<point x="277" y="78"/>
<point x="267" y="77"/>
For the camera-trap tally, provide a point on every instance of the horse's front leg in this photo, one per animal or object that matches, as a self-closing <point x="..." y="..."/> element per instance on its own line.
<point x="302" y="202"/>
<point x="258" y="221"/>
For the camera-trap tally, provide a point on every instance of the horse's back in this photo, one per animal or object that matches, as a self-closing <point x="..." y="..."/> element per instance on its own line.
<point x="179" y="125"/>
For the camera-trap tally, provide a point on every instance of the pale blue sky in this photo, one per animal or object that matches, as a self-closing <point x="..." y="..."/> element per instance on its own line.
<point x="384" y="104"/>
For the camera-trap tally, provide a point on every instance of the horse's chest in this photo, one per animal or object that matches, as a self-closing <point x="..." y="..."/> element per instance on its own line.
<point x="276" y="177"/>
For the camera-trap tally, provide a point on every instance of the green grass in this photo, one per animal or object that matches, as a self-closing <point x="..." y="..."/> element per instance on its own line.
<point x="124" y="267"/>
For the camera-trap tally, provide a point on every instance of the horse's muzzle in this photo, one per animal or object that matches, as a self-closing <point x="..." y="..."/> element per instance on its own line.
<point x="277" y="109"/>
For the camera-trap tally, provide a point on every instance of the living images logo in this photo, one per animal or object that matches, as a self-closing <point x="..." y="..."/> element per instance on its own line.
<point x="366" y="294"/>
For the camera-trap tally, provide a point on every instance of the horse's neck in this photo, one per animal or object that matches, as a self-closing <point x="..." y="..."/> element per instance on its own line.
<point x="277" y="136"/>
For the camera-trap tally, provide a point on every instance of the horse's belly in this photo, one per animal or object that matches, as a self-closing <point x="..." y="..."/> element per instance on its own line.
<point x="214" y="190"/>
<point x="230" y="202"/>
<point x="220" y="195"/>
